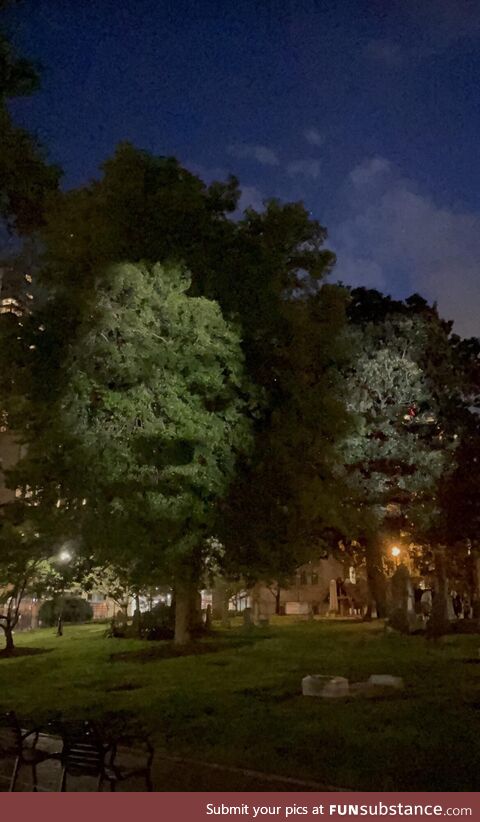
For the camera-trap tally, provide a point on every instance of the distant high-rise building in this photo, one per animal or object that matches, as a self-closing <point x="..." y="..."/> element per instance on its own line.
<point x="15" y="290"/>
<point x="15" y="298"/>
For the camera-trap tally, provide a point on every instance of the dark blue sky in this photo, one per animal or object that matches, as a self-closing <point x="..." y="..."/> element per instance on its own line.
<point x="369" y="111"/>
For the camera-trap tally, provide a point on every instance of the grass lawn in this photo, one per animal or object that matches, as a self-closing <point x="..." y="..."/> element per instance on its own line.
<point x="239" y="702"/>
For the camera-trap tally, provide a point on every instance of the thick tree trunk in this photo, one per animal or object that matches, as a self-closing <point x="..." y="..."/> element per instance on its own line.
<point x="225" y="611"/>
<point x="8" y="631"/>
<point x="475" y="558"/>
<point x="195" y="613"/>
<point x="439" y="623"/>
<point x="183" y="600"/>
<point x="375" y="576"/>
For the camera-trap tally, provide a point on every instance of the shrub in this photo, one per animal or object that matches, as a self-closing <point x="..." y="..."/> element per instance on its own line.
<point x="74" y="609"/>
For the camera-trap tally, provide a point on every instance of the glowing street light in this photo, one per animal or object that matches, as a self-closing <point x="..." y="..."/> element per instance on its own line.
<point x="64" y="556"/>
<point x="395" y="551"/>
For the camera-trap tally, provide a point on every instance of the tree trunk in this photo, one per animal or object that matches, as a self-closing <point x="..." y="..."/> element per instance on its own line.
<point x="475" y="558"/>
<point x="439" y="623"/>
<point x="8" y="631"/>
<point x="183" y="599"/>
<point x="60" y="615"/>
<point x="137" y="618"/>
<point x="225" y="604"/>
<point x="375" y="576"/>
<point x="277" y="600"/>
<point x="195" y="611"/>
<point x="208" y="618"/>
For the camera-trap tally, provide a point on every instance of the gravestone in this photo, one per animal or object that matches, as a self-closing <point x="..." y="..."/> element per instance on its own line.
<point x="325" y="686"/>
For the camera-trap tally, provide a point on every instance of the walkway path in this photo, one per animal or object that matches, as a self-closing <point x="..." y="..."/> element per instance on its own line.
<point x="170" y="773"/>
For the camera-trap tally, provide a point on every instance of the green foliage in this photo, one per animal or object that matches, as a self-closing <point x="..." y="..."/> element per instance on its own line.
<point x="71" y="609"/>
<point x="262" y="270"/>
<point x="144" y="208"/>
<point x="401" y="445"/>
<point x="140" y="439"/>
<point x="288" y="505"/>
<point x="151" y="208"/>
<point x="22" y="551"/>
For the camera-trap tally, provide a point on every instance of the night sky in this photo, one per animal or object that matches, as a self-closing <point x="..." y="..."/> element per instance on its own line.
<point x="368" y="111"/>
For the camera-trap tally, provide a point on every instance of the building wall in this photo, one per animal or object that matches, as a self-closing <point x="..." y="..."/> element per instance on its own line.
<point x="307" y="593"/>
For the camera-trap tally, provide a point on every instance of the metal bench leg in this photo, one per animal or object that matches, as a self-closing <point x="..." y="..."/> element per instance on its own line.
<point x="16" y="769"/>
<point x="34" y="777"/>
<point x="63" y="781"/>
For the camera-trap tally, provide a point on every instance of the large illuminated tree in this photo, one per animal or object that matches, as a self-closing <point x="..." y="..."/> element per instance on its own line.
<point x="409" y="390"/>
<point x="137" y="429"/>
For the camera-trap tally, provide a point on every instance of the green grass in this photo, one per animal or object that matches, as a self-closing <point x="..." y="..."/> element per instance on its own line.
<point x="240" y="702"/>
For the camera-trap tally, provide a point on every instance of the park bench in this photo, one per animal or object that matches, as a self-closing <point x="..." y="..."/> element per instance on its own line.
<point x="82" y="749"/>
<point x="20" y="745"/>
<point x="88" y="752"/>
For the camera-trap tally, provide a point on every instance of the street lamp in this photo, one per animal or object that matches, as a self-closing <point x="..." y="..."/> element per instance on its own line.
<point x="395" y="551"/>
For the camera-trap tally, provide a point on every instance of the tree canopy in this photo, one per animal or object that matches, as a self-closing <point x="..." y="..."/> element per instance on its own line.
<point x="140" y="436"/>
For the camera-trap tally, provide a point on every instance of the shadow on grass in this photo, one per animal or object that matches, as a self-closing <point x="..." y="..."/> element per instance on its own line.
<point x="270" y="694"/>
<point x="167" y="650"/>
<point x="125" y="686"/>
<point x="15" y="652"/>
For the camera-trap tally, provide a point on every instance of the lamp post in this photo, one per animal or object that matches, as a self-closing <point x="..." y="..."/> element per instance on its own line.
<point x="63" y="557"/>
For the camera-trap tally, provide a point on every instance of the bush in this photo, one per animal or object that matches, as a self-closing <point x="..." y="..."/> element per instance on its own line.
<point x="74" y="610"/>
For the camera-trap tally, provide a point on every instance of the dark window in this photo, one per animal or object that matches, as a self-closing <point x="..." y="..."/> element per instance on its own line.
<point x="314" y="579"/>
<point x="303" y="578"/>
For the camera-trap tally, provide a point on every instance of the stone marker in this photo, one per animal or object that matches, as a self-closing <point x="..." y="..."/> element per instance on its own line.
<point x="325" y="686"/>
<point x="335" y="687"/>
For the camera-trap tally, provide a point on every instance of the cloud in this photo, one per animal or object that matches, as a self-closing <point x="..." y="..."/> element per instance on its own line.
<point x="262" y="154"/>
<point x="251" y="197"/>
<point x="304" y="168"/>
<point x="395" y="233"/>
<point x="313" y="136"/>
<point x="384" y="51"/>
